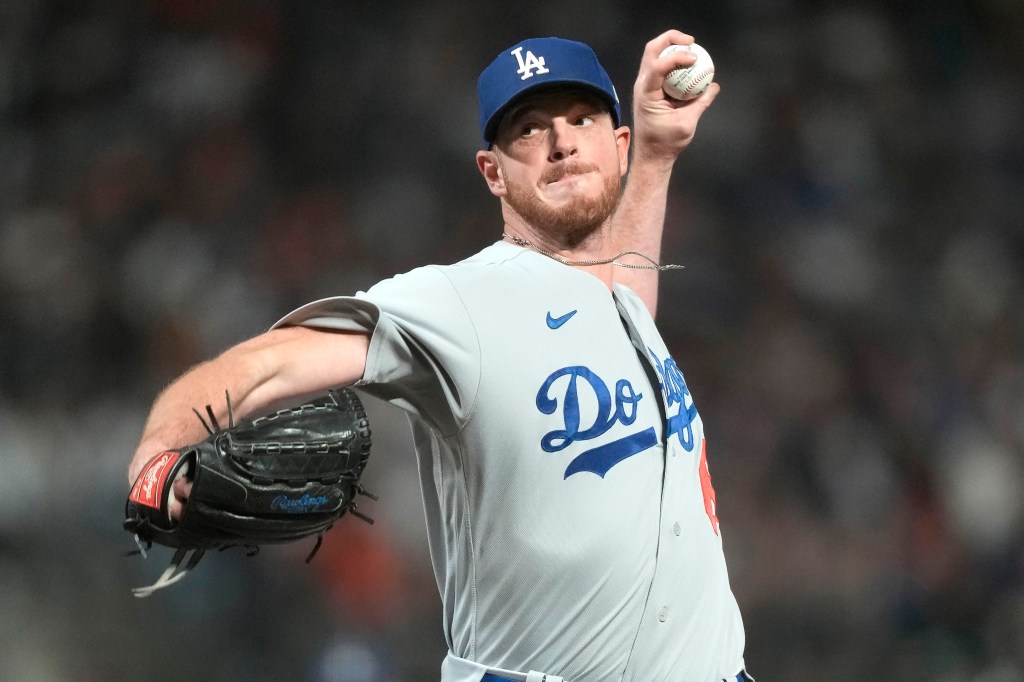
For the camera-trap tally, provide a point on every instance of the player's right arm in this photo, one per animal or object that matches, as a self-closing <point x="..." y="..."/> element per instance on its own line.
<point x="276" y="367"/>
<point x="662" y="129"/>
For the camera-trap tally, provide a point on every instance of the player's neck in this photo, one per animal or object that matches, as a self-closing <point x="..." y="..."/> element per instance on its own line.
<point x="581" y="253"/>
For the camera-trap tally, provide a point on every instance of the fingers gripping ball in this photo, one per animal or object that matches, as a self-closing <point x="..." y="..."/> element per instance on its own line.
<point x="275" y="479"/>
<point x="689" y="82"/>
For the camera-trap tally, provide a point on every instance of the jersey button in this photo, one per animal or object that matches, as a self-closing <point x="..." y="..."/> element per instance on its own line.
<point x="676" y="528"/>
<point x="663" y="614"/>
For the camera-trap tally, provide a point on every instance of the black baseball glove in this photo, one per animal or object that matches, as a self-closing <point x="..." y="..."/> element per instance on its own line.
<point x="274" y="479"/>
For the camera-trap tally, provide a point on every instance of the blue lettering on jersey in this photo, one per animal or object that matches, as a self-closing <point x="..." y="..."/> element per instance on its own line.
<point x="673" y="386"/>
<point x="602" y="458"/>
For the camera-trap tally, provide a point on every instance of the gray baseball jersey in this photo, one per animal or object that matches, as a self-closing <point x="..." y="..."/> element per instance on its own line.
<point x="570" y="514"/>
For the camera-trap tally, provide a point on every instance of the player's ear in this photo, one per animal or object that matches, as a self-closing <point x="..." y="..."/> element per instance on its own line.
<point x="622" y="137"/>
<point x="487" y="162"/>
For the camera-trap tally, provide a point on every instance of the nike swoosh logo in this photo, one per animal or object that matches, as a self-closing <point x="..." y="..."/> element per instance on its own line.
<point x="556" y="322"/>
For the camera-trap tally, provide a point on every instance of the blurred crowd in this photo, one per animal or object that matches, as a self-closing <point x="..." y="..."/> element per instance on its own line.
<point x="175" y="175"/>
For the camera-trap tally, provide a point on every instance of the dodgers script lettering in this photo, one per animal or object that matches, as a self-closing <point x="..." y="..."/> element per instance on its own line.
<point x="673" y="386"/>
<point x="610" y="410"/>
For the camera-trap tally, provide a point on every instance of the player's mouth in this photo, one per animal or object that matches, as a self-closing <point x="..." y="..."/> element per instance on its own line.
<point x="568" y="171"/>
<point x="566" y="179"/>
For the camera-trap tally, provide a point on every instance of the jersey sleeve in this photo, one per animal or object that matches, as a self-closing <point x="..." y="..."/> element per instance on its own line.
<point x="424" y="353"/>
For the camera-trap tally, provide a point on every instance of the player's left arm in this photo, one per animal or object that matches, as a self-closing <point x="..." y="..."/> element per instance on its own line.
<point x="662" y="129"/>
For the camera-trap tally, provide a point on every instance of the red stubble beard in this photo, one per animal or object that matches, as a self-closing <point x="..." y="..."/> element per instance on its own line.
<point x="573" y="221"/>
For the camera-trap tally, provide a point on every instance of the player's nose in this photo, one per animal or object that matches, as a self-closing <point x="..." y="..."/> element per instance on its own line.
<point x="563" y="140"/>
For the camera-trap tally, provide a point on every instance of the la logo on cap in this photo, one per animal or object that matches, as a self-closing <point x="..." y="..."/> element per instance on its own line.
<point x="527" y="65"/>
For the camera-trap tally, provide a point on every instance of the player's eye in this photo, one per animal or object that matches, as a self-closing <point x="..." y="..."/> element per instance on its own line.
<point x="584" y="121"/>
<point x="529" y="130"/>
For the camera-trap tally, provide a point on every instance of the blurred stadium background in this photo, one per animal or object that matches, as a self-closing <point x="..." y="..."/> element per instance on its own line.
<point x="177" y="174"/>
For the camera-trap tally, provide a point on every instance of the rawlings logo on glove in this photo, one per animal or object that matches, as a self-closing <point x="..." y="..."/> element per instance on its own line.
<point x="152" y="479"/>
<point x="275" y="479"/>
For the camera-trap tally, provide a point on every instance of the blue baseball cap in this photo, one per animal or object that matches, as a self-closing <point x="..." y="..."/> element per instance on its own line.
<point x="537" y="63"/>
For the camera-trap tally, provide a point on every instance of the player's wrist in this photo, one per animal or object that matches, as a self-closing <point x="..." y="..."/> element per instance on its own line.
<point x="653" y="160"/>
<point x="659" y="147"/>
<point x="147" y="449"/>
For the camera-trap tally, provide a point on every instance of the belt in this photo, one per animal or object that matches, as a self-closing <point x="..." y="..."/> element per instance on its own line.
<point x="489" y="677"/>
<point x="540" y="677"/>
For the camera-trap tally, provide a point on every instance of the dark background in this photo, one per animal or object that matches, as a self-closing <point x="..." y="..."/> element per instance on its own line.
<point x="177" y="175"/>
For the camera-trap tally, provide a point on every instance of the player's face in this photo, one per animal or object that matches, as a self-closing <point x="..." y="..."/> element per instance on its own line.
<point x="561" y="162"/>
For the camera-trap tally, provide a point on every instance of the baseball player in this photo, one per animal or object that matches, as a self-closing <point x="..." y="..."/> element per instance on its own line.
<point x="572" y="523"/>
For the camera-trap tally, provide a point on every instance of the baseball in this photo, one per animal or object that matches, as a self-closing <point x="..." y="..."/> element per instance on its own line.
<point x="688" y="83"/>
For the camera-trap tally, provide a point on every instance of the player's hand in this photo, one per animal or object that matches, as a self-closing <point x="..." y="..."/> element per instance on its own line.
<point x="179" y="497"/>
<point x="663" y="127"/>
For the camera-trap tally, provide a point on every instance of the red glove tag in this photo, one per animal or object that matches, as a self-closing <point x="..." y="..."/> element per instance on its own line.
<point x="150" y="483"/>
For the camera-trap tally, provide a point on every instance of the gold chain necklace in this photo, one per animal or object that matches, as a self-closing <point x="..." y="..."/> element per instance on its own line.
<point x="600" y="261"/>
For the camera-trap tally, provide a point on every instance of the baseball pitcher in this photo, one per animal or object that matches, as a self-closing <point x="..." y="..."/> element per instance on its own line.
<point x="573" y="526"/>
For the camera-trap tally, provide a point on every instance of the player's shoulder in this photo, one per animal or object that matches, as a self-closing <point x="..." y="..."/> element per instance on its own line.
<point x="438" y="280"/>
<point x="497" y="253"/>
<point x="498" y="268"/>
<point x="493" y="262"/>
